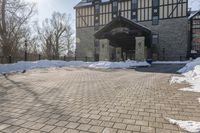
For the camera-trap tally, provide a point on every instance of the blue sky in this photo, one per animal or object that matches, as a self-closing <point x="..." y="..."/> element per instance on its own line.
<point x="46" y="7"/>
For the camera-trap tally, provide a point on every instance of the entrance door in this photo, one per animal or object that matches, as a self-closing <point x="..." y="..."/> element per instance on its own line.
<point x="96" y="57"/>
<point x="130" y="55"/>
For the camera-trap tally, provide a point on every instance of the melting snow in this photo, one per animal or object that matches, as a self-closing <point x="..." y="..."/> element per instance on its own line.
<point x="190" y="66"/>
<point x="190" y="126"/>
<point x="21" y="66"/>
<point x="127" y="64"/>
<point x="191" y="75"/>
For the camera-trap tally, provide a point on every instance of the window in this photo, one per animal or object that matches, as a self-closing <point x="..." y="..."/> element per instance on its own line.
<point x="155" y="20"/>
<point x="155" y="12"/>
<point x="155" y="39"/>
<point x="96" y="15"/>
<point x="155" y="3"/>
<point x="114" y="3"/>
<point x="115" y="6"/>
<point x="85" y="17"/>
<point x="134" y="9"/>
<point x="97" y="8"/>
<point x="134" y="4"/>
<point x="173" y="8"/>
<point x="105" y="15"/>
<point x="144" y="12"/>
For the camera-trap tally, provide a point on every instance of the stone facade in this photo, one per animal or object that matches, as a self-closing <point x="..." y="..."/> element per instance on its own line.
<point x="118" y="54"/>
<point x="140" y="48"/>
<point x="104" y="50"/>
<point x="173" y="39"/>
<point x="85" y="43"/>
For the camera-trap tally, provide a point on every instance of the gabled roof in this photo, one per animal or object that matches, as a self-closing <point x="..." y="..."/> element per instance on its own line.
<point x="83" y="3"/>
<point x="88" y="3"/>
<point x="193" y="13"/>
<point x="124" y="23"/>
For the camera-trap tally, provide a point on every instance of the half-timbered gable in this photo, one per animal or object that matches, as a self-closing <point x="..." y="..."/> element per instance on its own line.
<point x="138" y="10"/>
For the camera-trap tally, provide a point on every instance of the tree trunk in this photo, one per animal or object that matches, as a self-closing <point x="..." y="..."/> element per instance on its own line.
<point x="6" y="50"/>
<point x="3" y="14"/>
<point x="57" y="54"/>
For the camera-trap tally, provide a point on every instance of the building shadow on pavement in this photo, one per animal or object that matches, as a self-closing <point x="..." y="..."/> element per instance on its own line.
<point x="161" y="68"/>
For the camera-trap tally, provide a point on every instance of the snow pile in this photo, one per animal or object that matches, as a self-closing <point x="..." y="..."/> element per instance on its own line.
<point x="112" y="65"/>
<point x="190" y="126"/>
<point x="190" y="66"/>
<point x="191" y="75"/>
<point x="194" y="81"/>
<point x="28" y="65"/>
<point x="171" y="62"/>
<point x="21" y="66"/>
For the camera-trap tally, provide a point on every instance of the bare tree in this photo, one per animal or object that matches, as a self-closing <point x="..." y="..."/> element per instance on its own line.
<point x="45" y="35"/>
<point x="57" y="35"/>
<point x="70" y="41"/>
<point x="14" y="18"/>
<point x="33" y="43"/>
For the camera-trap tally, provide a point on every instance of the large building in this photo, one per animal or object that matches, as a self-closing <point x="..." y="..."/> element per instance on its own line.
<point x="133" y="29"/>
<point x="194" y="36"/>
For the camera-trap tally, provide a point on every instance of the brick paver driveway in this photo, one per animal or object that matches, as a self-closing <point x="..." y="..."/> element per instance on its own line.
<point x="73" y="100"/>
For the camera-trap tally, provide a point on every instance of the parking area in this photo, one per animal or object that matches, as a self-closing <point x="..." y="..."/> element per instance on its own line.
<point x="78" y="100"/>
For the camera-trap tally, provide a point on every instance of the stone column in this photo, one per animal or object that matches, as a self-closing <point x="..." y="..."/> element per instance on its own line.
<point x="140" y="48"/>
<point x="118" y="54"/>
<point x="104" y="50"/>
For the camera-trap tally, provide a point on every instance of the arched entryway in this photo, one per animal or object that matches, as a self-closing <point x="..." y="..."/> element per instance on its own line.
<point x="122" y="39"/>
